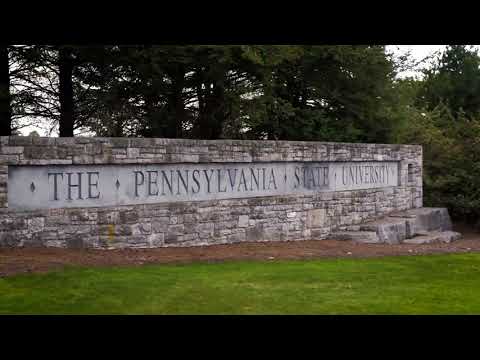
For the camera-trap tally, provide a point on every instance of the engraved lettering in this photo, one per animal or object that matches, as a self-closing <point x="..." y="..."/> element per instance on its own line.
<point x="372" y="174"/>
<point x="297" y="177"/>
<point x="152" y="182"/>
<point x="184" y="182"/>
<point x="169" y="182"/>
<point x="242" y="181"/>
<point x="195" y="179"/>
<point x="92" y="184"/>
<point x="352" y="176"/>
<point x="263" y="177"/>
<point x="220" y="177"/>
<point x="232" y="180"/>
<point x="78" y="185"/>
<point x="254" y="178"/>
<point x="137" y="181"/>
<point x="208" y="178"/>
<point x="272" y="180"/>
<point x="325" y="176"/>
<point x="55" y="184"/>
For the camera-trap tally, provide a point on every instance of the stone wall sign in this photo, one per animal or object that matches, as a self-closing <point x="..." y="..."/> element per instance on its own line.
<point x="59" y="186"/>
<point x="113" y="193"/>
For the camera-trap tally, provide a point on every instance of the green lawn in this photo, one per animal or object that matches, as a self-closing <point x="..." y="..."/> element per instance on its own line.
<point x="438" y="284"/>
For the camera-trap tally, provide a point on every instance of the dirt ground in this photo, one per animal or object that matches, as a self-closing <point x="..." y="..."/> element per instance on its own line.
<point x="32" y="260"/>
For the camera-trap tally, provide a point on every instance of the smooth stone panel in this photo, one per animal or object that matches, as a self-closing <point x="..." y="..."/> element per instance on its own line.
<point x="63" y="186"/>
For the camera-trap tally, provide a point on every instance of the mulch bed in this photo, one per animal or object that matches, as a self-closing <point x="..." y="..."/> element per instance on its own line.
<point x="32" y="260"/>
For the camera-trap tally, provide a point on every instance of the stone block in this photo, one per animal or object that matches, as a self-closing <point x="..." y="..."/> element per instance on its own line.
<point x="369" y="237"/>
<point x="127" y="217"/>
<point x="141" y="228"/>
<point x="36" y="224"/>
<point x="428" y="219"/>
<point x="9" y="239"/>
<point x="243" y="221"/>
<point x="160" y="224"/>
<point x="75" y="242"/>
<point x="56" y="220"/>
<point x="434" y="237"/>
<point x="389" y="230"/>
<point x="156" y="240"/>
<point x="235" y="238"/>
<point x="10" y="150"/>
<point x="431" y="219"/>
<point x="108" y="217"/>
<point x="65" y="141"/>
<point x="255" y="233"/>
<point x="133" y="153"/>
<point x="20" y="140"/>
<point x="13" y="223"/>
<point x="317" y="218"/>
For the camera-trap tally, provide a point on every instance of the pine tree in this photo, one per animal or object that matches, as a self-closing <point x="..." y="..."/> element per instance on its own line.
<point x="454" y="79"/>
<point x="5" y="106"/>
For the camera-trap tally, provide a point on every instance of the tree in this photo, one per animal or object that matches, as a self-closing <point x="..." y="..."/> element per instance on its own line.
<point x="454" y="79"/>
<point x="168" y="91"/>
<point x="34" y="84"/>
<point x="160" y="79"/>
<point x="47" y="88"/>
<point x="5" y="107"/>
<point x="341" y="93"/>
<point x="336" y="93"/>
<point x="65" y="66"/>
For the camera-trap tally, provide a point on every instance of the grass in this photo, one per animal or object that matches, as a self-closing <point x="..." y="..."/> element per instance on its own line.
<point x="437" y="284"/>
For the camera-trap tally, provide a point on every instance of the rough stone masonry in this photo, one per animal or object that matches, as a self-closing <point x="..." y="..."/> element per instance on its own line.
<point x="138" y="192"/>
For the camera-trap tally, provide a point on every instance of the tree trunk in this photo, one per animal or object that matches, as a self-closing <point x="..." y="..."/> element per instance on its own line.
<point x="212" y="114"/>
<point x="153" y="115"/>
<point x="218" y="111"/>
<point x="66" y="92"/>
<point x="176" y="104"/>
<point x="118" y="128"/>
<point x="5" y="107"/>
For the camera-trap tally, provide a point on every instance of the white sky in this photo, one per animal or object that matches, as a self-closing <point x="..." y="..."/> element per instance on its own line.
<point x="418" y="53"/>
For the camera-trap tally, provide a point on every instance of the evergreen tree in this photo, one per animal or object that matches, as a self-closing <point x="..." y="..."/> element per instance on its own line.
<point x="340" y="93"/>
<point x="5" y="106"/>
<point x="65" y="92"/>
<point x="454" y="79"/>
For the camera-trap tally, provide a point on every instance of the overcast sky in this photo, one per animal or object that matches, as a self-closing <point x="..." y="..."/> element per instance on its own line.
<point x="418" y="53"/>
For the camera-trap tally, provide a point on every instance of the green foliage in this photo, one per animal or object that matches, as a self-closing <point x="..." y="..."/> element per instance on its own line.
<point x="451" y="154"/>
<point x="454" y="79"/>
<point x="441" y="114"/>
<point x="335" y="93"/>
<point x="294" y="92"/>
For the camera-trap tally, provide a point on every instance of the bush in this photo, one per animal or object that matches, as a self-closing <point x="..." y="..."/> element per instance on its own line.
<point x="451" y="154"/>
